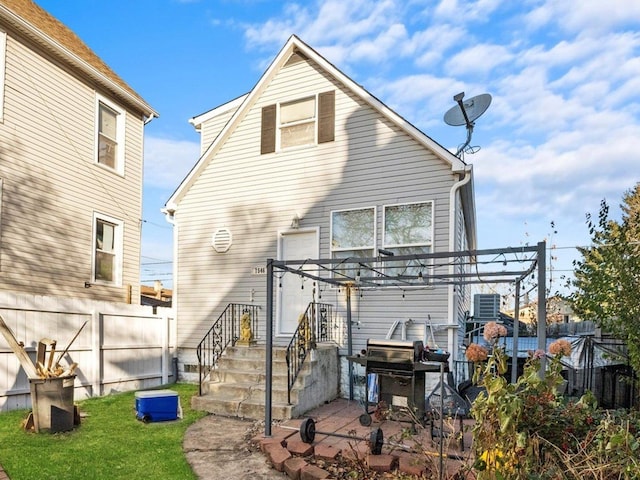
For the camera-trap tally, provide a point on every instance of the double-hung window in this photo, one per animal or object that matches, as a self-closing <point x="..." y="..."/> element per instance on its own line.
<point x="107" y="258"/>
<point x="353" y="234"/>
<point x="304" y="121"/>
<point x="408" y="230"/>
<point x="110" y="136"/>
<point x="297" y="123"/>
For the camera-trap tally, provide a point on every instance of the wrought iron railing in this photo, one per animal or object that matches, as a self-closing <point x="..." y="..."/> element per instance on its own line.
<point x="316" y="325"/>
<point x="225" y="331"/>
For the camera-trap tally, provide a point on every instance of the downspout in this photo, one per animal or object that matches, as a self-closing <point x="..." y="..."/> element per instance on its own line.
<point x="170" y="217"/>
<point x="452" y="332"/>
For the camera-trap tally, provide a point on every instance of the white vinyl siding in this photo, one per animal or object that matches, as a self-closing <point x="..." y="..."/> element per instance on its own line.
<point x="50" y="178"/>
<point x="3" y="53"/>
<point x="371" y="162"/>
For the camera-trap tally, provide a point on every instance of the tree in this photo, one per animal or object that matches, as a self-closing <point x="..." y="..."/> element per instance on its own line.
<point x="607" y="278"/>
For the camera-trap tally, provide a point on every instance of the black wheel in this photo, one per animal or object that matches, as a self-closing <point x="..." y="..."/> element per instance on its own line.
<point x="146" y="418"/>
<point x="376" y="440"/>
<point x="308" y="430"/>
<point x="365" y="419"/>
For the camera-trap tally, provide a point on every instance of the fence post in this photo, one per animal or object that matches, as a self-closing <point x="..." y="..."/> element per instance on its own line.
<point x="164" y="324"/>
<point x="96" y="353"/>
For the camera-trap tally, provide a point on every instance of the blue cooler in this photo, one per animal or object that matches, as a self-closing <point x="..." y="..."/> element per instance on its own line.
<point x="157" y="405"/>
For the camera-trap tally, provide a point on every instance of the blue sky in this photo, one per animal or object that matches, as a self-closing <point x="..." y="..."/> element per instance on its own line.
<point x="561" y="134"/>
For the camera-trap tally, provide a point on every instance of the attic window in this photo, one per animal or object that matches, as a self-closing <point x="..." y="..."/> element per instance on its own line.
<point x="306" y="121"/>
<point x="298" y="123"/>
<point x="222" y="240"/>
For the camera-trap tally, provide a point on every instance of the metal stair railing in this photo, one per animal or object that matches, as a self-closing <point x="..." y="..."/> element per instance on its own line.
<point x="315" y="324"/>
<point x="224" y="332"/>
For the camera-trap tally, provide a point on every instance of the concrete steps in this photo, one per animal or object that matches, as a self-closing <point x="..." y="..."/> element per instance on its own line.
<point x="238" y="386"/>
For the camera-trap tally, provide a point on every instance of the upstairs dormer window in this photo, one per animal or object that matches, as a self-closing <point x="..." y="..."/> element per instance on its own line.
<point x="297" y="123"/>
<point x="110" y="136"/>
<point x="305" y="121"/>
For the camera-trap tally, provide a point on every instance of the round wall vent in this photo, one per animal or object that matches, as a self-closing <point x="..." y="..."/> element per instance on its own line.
<point x="221" y="240"/>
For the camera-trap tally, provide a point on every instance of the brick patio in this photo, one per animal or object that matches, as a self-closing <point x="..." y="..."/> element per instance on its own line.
<point x="407" y="448"/>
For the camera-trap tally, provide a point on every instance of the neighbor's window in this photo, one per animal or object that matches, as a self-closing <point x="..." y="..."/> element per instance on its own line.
<point x="353" y="234"/>
<point x="408" y="230"/>
<point x="107" y="251"/>
<point x="110" y="138"/>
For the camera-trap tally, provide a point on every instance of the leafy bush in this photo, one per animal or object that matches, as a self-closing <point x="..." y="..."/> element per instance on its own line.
<point x="528" y="431"/>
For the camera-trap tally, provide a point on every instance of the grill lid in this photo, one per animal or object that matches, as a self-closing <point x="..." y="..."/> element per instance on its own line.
<point x="394" y="351"/>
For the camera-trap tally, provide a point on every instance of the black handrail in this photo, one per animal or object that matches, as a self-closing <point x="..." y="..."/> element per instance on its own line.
<point x="224" y="332"/>
<point x="316" y="324"/>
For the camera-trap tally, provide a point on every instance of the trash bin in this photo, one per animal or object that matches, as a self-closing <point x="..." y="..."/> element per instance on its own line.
<point x="52" y="403"/>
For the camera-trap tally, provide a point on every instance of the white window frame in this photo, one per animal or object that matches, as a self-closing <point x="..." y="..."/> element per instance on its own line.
<point x="368" y="249"/>
<point x="394" y="247"/>
<point x="3" y="63"/>
<point x="312" y="121"/>
<point x="117" y="252"/>
<point x="120" y="134"/>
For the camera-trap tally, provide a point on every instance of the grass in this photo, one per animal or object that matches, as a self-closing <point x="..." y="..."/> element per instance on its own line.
<point x="110" y="443"/>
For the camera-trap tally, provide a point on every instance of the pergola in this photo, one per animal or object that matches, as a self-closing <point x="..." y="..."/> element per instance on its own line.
<point x="490" y="266"/>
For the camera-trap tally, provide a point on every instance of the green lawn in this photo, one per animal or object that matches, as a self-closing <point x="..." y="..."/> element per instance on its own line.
<point x="110" y="443"/>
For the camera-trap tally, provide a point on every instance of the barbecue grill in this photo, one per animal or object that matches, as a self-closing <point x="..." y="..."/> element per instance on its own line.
<point x="401" y="375"/>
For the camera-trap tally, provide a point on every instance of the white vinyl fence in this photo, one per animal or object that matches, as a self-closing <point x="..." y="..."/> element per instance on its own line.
<point x="121" y="347"/>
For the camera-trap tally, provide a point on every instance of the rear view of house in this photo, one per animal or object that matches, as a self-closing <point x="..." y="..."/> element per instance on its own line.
<point x="309" y="165"/>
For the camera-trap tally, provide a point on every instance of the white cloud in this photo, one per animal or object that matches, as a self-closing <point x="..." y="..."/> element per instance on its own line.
<point x="460" y="11"/>
<point x="480" y="58"/>
<point x="167" y="162"/>
<point x="585" y="15"/>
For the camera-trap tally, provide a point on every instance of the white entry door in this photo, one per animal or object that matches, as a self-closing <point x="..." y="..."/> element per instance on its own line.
<point x="296" y="292"/>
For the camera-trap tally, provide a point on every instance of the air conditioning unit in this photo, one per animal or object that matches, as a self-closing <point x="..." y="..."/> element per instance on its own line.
<point x="486" y="306"/>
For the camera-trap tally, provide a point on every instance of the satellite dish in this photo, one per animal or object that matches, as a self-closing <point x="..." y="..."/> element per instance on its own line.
<point x="465" y="113"/>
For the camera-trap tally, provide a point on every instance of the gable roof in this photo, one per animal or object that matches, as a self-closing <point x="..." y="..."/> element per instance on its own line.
<point x="295" y="44"/>
<point x="58" y="40"/>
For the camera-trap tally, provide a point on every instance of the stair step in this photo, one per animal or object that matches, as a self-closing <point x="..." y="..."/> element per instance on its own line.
<point x="237" y="386"/>
<point x="251" y="391"/>
<point x="232" y="407"/>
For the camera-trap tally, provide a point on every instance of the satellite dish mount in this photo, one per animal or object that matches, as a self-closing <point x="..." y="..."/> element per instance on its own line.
<point x="466" y="113"/>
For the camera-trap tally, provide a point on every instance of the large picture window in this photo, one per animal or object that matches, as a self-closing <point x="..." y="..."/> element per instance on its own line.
<point x="408" y="230"/>
<point x="110" y="136"/>
<point x="353" y="234"/>
<point x="107" y="259"/>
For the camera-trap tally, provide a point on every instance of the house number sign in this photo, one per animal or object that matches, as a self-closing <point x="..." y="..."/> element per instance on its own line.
<point x="259" y="270"/>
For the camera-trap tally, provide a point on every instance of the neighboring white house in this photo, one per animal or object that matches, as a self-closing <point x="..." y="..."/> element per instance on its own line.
<point x="71" y="158"/>
<point x="309" y="164"/>
<point x="71" y="140"/>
